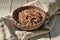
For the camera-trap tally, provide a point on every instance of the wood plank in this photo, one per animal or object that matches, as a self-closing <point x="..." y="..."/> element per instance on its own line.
<point x="17" y="3"/>
<point x="29" y="0"/>
<point x="5" y="7"/>
<point x="55" y="33"/>
<point x="41" y="37"/>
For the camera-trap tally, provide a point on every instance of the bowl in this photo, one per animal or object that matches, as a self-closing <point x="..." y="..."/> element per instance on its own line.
<point x="25" y="27"/>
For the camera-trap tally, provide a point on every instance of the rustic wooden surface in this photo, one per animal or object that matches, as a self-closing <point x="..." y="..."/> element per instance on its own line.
<point x="8" y="6"/>
<point x="4" y="7"/>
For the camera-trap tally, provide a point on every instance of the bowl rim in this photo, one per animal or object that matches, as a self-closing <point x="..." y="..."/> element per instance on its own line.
<point x="17" y="10"/>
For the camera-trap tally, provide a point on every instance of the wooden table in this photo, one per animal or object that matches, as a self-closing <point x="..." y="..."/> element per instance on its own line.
<point x="8" y="6"/>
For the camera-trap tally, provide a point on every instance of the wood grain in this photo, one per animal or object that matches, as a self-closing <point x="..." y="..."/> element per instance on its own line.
<point x="5" y="7"/>
<point x="17" y="3"/>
